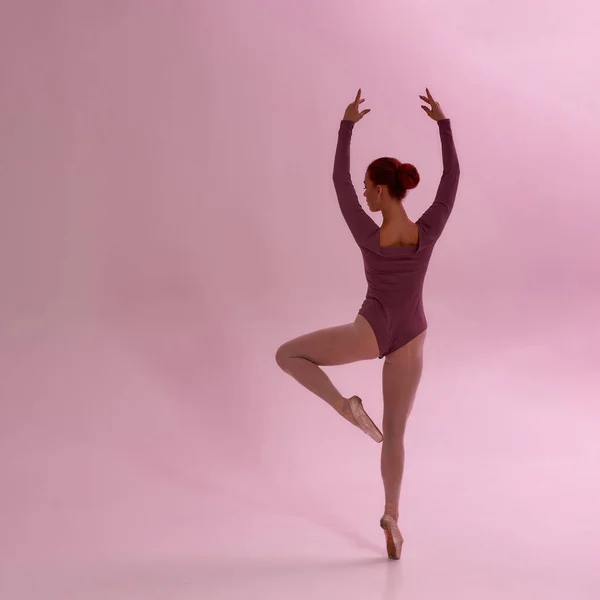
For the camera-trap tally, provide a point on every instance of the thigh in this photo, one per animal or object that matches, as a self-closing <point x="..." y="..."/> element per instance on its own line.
<point x="333" y="346"/>
<point x="401" y="376"/>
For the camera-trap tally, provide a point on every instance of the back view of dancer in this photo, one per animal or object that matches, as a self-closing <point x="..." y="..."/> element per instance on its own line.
<point x="391" y="323"/>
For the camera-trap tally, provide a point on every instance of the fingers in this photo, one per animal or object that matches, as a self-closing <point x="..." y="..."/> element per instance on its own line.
<point x="428" y="98"/>
<point x="358" y="97"/>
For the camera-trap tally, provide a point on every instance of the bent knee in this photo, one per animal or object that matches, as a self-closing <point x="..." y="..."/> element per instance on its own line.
<point x="280" y="355"/>
<point x="287" y="353"/>
<point x="283" y="355"/>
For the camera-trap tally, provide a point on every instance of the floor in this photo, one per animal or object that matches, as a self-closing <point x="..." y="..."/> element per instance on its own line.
<point x="122" y="490"/>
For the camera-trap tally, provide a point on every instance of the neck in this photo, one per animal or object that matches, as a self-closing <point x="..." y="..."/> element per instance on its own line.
<point x="393" y="212"/>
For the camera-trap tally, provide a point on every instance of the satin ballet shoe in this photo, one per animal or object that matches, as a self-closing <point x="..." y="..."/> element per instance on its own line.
<point x="393" y="537"/>
<point x="363" y="419"/>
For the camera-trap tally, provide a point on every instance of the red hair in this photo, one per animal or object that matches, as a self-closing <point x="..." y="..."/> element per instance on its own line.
<point x="399" y="177"/>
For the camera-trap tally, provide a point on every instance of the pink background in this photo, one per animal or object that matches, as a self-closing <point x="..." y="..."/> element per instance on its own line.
<point x="168" y="219"/>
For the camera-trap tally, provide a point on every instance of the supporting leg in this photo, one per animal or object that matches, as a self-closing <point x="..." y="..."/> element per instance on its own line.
<point x="401" y="376"/>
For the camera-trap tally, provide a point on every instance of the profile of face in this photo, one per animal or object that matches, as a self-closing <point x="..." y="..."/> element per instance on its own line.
<point x="373" y="194"/>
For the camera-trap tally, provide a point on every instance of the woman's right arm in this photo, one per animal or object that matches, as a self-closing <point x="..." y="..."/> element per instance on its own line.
<point x="434" y="219"/>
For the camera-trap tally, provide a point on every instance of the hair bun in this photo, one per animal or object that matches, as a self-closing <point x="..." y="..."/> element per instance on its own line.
<point x="407" y="176"/>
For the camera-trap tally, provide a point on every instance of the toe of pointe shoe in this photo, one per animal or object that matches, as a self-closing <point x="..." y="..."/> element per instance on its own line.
<point x="364" y="421"/>
<point x="393" y="537"/>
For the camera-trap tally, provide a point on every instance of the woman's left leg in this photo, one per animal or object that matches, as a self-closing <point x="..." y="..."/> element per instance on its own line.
<point x="303" y="357"/>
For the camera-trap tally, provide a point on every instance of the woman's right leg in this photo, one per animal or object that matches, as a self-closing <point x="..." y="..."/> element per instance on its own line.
<point x="303" y="356"/>
<point x="401" y="376"/>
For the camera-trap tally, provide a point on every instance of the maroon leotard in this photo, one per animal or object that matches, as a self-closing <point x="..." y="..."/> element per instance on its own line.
<point x="395" y="275"/>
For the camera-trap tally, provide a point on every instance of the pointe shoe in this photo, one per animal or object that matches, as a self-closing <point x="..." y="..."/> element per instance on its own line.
<point x="363" y="419"/>
<point x="393" y="537"/>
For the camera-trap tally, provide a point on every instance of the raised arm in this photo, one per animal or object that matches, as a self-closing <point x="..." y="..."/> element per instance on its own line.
<point x="434" y="219"/>
<point x="360" y="224"/>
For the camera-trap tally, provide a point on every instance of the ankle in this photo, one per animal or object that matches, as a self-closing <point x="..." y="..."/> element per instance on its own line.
<point x="344" y="406"/>
<point x="392" y="513"/>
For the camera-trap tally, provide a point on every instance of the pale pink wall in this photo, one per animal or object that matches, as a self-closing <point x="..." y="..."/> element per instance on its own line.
<point x="168" y="218"/>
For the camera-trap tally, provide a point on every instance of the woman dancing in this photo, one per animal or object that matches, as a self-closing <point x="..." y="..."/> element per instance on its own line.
<point x="391" y="323"/>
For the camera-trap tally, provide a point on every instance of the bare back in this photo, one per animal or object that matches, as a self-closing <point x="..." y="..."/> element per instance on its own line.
<point x="409" y="236"/>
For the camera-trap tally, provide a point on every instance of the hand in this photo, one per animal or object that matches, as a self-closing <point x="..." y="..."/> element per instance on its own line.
<point x="352" y="112"/>
<point x="435" y="112"/>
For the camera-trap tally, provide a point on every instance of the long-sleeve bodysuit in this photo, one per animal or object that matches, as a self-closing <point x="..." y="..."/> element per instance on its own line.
<point x="395" y="275"/>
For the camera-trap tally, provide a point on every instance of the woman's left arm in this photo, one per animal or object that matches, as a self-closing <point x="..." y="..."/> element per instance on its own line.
<point x="360" y="224"/>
